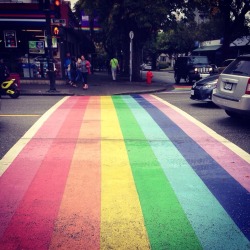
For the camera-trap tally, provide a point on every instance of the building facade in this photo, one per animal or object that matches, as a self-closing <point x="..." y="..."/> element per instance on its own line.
<point x="24" y="28"/>
<point x="212" y="49"/>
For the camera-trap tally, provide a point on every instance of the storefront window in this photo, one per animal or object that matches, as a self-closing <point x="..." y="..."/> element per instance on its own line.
<point x="37" y="67"/>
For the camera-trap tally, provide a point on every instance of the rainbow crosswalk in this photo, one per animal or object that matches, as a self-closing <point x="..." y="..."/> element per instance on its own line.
<point x="123" y="172"/>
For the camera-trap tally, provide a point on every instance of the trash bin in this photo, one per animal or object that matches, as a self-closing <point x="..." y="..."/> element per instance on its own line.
<point x="17" y="77"/>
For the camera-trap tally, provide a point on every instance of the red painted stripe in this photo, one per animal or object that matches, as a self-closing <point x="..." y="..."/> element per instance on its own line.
<point x="16" y="179"/>
<point x="32" y="224"/>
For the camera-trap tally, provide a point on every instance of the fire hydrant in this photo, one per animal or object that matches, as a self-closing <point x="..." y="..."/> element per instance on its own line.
<point x="149" y="77"/>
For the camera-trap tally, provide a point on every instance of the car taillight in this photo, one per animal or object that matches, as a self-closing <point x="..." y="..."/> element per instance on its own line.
<point x="248" y="87"/>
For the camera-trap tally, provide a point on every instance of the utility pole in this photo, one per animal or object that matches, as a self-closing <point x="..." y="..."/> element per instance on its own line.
<point x="131" y="36"/>
<point x="51" y="70"/>
<point x="45" y="6"/>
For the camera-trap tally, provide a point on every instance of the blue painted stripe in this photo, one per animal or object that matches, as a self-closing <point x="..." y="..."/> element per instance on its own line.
<point x="185" y="181"/>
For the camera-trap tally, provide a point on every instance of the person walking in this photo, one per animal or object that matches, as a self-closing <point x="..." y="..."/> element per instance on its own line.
<point x="67" y="63"/>
<point x="84" y="66"/>
<point x="114" y="64"/>
<point x="4" y="71"/>
<point x="73" y="71"/>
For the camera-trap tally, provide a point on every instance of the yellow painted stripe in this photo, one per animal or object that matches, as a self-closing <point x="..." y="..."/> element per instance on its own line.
<point x="122" y="224"/>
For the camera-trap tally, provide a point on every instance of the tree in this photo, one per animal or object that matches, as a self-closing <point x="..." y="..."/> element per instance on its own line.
<point x="182" y="38"/>
<point x="233" y="14"/>
<point x="143" y="17"/>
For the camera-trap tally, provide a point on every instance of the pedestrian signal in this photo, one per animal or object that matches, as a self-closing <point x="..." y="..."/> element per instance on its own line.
<point x="56" y="30"/>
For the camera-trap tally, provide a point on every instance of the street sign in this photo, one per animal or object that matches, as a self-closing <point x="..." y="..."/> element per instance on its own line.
<point x="61" y="22"/>
<point x="36" y="47"/>
<point x="131" y="34"/>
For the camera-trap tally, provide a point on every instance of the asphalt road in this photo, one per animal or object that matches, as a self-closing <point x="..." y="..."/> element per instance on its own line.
<point x="18" y="115"/>
<point x="122" y="172"/>
<point x="234" y="130"/>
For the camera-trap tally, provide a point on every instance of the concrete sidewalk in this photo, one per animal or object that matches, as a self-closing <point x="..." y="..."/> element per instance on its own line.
<point x="100" y="84"/>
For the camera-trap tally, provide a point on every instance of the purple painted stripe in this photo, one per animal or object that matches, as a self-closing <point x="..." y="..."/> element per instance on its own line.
<point x="232" y="196"/>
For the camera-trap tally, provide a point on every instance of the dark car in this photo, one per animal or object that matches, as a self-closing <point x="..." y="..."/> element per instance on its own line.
<point x="203" y="89"/>
<point x="191" y="68"/>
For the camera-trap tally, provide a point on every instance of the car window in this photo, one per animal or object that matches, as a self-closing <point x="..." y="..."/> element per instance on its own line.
<point x="239" y="67"/>
<point x="198" y="60"/>
<point x="226" y="63"/>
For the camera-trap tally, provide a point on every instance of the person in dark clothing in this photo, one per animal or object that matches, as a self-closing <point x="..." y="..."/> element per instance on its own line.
<point x="73" y="71"/>
<point x="84" y="66"/>
<point x="4" y="72"/>
<point x="67" y="63"/>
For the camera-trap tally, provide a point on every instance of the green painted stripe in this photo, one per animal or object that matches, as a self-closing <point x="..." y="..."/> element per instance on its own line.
<point x="200" y="206"/>
<point x="166" y="223"/>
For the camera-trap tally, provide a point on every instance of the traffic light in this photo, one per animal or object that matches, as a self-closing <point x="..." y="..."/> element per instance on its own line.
<point x="55" y="31"/>
<point x="57" y="8"/>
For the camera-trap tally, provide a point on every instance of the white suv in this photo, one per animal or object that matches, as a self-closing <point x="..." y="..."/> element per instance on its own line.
<point x="233" y="88"/>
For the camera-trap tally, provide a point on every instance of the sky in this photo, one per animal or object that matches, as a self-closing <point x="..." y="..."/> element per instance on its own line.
<point x="73" y="3"/>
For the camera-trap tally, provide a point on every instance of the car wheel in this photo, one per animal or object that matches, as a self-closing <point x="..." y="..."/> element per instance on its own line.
<point x="177" y="78"/>
<point x="232" y="114"/>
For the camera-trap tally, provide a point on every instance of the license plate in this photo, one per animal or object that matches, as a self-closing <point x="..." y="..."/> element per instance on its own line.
<point x="192" y="92"/>
<point x="228" y="86"/>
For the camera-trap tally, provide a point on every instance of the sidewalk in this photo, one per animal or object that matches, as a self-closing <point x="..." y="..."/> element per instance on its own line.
<point x="100" y="84"/>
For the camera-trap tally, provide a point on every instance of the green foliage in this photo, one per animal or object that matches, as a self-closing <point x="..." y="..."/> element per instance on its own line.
<point x="147" y="17"/>
<point x="182" y="38"/>
<point x="144" y="17"/>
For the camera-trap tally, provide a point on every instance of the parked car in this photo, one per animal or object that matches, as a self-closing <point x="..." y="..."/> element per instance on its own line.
<point x="191" y="68"/>
<point x="146" y="66"/>
<point x="233" y="88"/>
<point x="202" y="90"/>
<point x="224" y="65"/>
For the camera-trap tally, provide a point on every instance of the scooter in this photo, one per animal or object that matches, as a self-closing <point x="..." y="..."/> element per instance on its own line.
<point x="10" y="88"/>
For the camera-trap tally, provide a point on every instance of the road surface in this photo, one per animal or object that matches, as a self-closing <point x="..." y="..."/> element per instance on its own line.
<point x="123" y="172"/>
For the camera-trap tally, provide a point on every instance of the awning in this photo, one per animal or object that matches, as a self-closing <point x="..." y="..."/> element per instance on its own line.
<point x="22" y="22"/>
<point x="208" y="48"/>
<point x="243" y="41"/>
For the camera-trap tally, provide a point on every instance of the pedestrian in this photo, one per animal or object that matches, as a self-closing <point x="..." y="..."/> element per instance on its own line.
<point x="73" y="71"/>
<point x="4" y="71"/>
<point x="84" y="66"/>
<point x="114" y="64"/>
<point x="67" y="62"/>
<point x="78" y="71"/>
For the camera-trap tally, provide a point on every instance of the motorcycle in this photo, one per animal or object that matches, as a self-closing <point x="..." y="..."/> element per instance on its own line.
<point x="10" y="88"/>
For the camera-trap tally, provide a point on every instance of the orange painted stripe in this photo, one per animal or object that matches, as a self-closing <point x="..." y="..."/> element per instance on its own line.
<point x="78" y="222"/>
